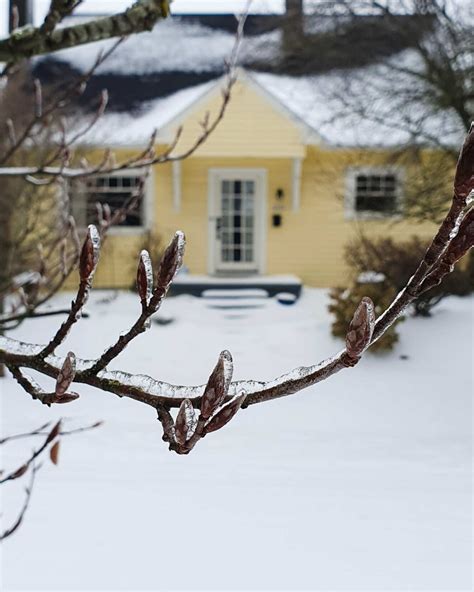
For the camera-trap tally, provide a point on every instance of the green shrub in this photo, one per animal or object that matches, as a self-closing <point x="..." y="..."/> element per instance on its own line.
<point x="398" y="261"/>
<point x="344" y="302"/>
<point x="395" y="264"/>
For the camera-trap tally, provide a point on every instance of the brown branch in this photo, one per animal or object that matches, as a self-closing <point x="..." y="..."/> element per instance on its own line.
<point x="51" y="442"/>
<point x="170" y="264"/>
<point x="220" y="399"/>
<point x="453" y="239"/>
<point x="17" y="473"/>
<point x="41" y="432"/>
<point x="28" y="492"/>
<point x="147" y="157"/>
<point x="29" y="41"/>
<point x="61" y="100"/>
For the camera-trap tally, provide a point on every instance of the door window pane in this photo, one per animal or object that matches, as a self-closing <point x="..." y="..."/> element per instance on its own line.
<point x="237" y="212"/>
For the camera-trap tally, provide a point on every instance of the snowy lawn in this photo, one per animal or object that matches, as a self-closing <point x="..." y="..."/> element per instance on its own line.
<point x="360" y="483"/>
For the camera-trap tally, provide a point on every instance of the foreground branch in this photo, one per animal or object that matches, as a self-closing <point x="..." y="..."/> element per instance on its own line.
<point x="220" y="399"/>
<point x="30" y="41"/>
<point x="50" y="444"/>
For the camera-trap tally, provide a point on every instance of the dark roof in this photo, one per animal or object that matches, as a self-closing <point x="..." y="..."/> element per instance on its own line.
<point x="271" y="45"/>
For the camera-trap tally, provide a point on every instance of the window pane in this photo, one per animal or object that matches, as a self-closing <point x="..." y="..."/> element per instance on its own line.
<point x="114" y="191"/>
<point x="249" y="187"/>
<point x="376" y="193"/>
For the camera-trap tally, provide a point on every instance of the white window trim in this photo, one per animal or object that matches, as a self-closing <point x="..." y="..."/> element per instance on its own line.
<point x="177" y="185"/>
<point x="147" y="203"/>
<point x="296" y="173"/>
<point x="350" y="213"/>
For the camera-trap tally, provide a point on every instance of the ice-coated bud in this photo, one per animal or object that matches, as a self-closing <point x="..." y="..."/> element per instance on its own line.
<point x="89" y="253"/>
<point x="66" y="375"/>
<point x="464" y="177"/>
<point x="66" y="398"/>
<point x="227" y="412"/>
<point x="218" y="385"/>
<point x="144" y="277"/>
<point x="361" y="328"/>
<point x="185" y="422"/>
<point x="171" y="261"/>
<point x="463" y="241"/>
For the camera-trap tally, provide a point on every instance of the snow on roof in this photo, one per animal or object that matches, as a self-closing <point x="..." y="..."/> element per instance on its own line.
<point x="173" y="45"/>
<point x="135" y="129"/>
<point x="321" y="102"/>
<point x="366" y="106"/>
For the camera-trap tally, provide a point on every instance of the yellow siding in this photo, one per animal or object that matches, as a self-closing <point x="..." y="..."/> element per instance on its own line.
<point x="310" y="243"/>
<point x="251" y="127"/>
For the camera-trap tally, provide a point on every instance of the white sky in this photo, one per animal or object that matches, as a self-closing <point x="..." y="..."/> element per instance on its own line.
<point x="183" y="6"/>
<point x="190" y="6"/>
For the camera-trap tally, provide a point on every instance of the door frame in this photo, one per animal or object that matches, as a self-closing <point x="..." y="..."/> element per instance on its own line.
<point x="215" y="176"/>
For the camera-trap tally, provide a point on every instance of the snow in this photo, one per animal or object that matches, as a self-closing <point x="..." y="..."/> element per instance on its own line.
<point x="129" y="129"/>
<point x="370" y="277"/>
<point x="261" y="280"/>
<point x="173" y="45"/>
<point x="378" y="105"/>
<point x="359" y="107"/>
<point x="362" y="482"/>
<point x="321" y="102"/>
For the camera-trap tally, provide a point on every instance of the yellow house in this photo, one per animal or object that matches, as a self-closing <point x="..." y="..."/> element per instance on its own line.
<point x="277" y="191"/>
<point x="264" y="198"/>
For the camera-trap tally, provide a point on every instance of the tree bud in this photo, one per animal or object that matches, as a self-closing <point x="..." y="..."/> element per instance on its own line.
<point x="361" y="328"/>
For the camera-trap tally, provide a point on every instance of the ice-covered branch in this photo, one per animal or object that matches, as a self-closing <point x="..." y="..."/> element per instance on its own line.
<point x="220" y="399"/>
<point x="146" y="158"/>
<point x="31" y="41"/>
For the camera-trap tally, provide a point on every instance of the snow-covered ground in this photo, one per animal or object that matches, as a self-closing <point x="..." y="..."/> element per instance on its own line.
<point x="360" y="483"/>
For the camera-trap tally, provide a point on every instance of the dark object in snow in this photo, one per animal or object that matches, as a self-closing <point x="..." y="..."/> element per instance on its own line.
<point x="286" y="298"/>
<point x="162" y="320"/>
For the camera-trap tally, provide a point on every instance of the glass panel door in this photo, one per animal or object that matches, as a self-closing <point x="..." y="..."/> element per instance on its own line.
<point x="237" y="220"/>
<point x="237" y="223"/>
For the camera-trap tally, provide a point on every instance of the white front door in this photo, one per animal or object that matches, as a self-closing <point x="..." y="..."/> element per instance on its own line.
<point x="236" y="216"/>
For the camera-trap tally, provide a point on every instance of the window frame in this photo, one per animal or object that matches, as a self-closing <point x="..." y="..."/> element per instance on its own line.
<point x="351" y="213"/>
<point x="147" y="203"/>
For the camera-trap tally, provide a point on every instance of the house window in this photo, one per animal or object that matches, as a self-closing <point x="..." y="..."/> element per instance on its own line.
<point x="115" y="190"/>
<point x="374" y="192"/>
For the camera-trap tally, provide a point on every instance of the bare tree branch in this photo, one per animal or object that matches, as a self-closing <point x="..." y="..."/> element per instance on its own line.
<point x="51" y="443"/>
<point x="30" y="41"/>
<point x="453" y="239"/>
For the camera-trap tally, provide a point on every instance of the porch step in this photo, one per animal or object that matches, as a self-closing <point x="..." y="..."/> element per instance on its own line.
<point x="224" y="294"/>
<point x="270" y="285"/>
<point x="234" y="303"/>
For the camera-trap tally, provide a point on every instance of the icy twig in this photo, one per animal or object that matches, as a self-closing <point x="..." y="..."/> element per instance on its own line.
<point x="454" y="237"/>
<point x="170" y="263"/>
<point x="88" y="260"/>
<point x="147" y="157"/>
<point x="140" y="16"/>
